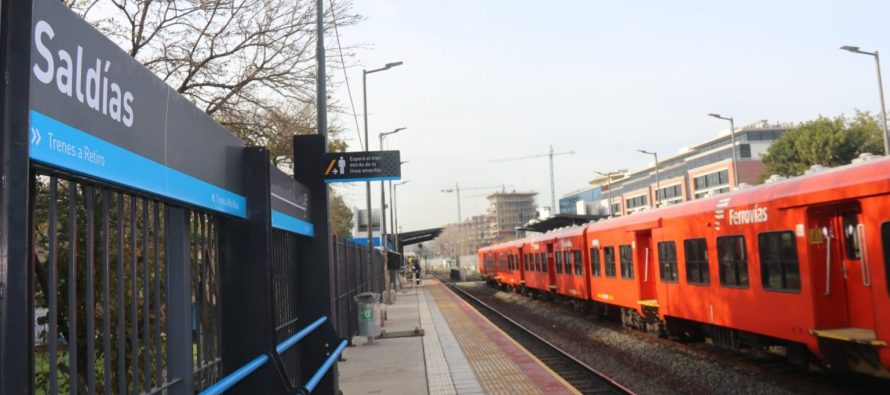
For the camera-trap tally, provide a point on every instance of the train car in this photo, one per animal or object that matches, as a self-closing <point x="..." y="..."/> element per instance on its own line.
<point x="508" y="272"/>
<point x="539" y="269"/>
<point x="485" y="262"/>
<point x="801" y="263"/>
<point x="571" y="265"/>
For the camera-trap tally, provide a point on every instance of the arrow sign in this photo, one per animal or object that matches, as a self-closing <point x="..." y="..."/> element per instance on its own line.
<point x="35" y="136"/>
<point x="361" y="166"/>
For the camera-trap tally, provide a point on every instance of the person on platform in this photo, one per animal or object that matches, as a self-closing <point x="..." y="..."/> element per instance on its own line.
<point x="416" y="268"/>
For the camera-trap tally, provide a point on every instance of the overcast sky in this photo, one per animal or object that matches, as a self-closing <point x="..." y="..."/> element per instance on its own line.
<point x="484" y="80"/>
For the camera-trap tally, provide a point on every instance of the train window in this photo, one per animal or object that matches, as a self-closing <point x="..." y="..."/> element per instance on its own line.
<point x="667" y="261"/>
<point x="544" y="262"/>
<point x="885" y="244"/>
<point x="576" y="256"/>
<point x="697" y="270"/>
<point x="509" y="262"/>
<point x="558" y="262"/>
<point x="595" y="261"/>
<point x="851" y="235"/>
<point x="779" y="269"/>
<point x="537" y="262"/>
<point x="609" y="260"/>
<point x="626" y="254"/>
<point x="527" y="262"/>
<point x="567" y="262"/>
<point x="733" y="261"/>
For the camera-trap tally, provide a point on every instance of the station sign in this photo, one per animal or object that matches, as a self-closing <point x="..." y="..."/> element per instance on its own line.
<point x="96" y="111"/>
<point x="362" y="166"/>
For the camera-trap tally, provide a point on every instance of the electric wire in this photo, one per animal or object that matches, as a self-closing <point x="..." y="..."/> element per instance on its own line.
<point x="346" y="76"/>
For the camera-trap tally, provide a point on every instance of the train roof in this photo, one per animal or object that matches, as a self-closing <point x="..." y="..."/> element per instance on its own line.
<point x="861" y="179"/>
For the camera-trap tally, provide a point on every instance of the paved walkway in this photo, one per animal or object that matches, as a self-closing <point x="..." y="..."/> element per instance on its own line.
<point x="461" y="352"/>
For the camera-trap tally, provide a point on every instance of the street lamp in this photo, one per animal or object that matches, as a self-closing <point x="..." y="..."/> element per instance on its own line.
<point x="368" y="146"/>
<point x="609" y="178"/>
<point x="735" y="169"/>
<point x="395" y="210"/>
<point x="880" y="89"/>
<point x="657" y="181"/>
<point x="383" y="194"/>
<point x="459" y="216"/>
<point x="392" y="221"/>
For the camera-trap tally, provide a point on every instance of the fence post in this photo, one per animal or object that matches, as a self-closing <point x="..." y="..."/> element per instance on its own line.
<point x="16" y="293"/>
<point x="180" y="363"/>
<point x="247" y="325"/>
<point x="316" y="276"/>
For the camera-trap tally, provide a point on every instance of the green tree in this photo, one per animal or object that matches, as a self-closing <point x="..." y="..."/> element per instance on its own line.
<point x="341" y="216"/>
<point x="824" y="141"/>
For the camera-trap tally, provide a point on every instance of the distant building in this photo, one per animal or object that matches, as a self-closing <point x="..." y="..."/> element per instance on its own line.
<point x="507" y="211"/>
<point x="695" y="172"/>
<point x="582" y="202"/>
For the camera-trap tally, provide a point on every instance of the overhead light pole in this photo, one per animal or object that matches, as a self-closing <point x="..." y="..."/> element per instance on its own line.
<point x="880" y="90"/>
<point x="368" y="147"/>
<point x="395" y="210"/>
<point x="657" y="181"/>
<point x="392" y="221"/>
<point x="735" y="168"/>
<point x="383" y="195"/>
<point x="456" y="190"/>
<point x="609" y="180"/>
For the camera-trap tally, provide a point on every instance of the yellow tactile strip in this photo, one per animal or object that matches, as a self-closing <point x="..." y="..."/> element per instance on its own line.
<point x="497" y="360"/>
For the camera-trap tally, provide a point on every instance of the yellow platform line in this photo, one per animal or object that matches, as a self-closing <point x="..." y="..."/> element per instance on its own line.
<point x="568" y="386"/>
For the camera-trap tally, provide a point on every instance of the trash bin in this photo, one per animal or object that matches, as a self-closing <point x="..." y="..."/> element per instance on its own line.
<point x="368" y="314"/>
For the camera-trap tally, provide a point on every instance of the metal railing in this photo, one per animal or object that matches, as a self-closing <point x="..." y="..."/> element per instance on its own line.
<point x="235" y="377"/>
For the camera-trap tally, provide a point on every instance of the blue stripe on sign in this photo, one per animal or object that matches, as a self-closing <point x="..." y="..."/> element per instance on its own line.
<point x="57" y="144"/>
<point x="286" y="222"/>
<point x="363" y="179"/>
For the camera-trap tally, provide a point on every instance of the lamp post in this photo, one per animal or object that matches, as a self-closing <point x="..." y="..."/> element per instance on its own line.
<point x="609" y="179"/>
<point x="657" y="181"/>
<point x="392" y="220"/>
<point x="880" y="89"/>
<point x="383" y="195"/>
<point x="735" y="169"/>
<point x="368" y="146"/>
<point x="459" y="216"/>
<point x="395" y="210"/>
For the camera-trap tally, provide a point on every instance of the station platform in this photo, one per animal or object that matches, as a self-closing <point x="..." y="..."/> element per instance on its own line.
<point x="435" y="343"/>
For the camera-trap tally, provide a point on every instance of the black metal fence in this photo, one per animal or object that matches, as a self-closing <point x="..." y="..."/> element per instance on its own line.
<point x="353" y="275"/>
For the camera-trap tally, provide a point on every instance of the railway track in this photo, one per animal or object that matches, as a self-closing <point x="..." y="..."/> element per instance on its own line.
<point x="585" y="379"/>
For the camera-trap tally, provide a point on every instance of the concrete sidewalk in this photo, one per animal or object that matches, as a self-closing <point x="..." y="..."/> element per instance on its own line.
<point x="391" y="365"/>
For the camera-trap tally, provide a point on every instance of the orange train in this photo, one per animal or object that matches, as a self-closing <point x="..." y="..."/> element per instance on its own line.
<point x="802" y="263"/>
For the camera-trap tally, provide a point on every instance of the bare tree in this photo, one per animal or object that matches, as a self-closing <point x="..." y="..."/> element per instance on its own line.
<point x="227" y="56"/>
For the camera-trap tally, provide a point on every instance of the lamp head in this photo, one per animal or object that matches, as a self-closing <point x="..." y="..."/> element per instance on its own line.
<point x="714" y="115"/>
<point x="645" y="152"/>
<point x="850" y="48"/>
<point x="393" y="64"/>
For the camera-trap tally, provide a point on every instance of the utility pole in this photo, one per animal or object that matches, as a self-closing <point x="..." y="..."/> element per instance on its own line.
<point x="551" y="154"/>
<point x="456" y="190"/>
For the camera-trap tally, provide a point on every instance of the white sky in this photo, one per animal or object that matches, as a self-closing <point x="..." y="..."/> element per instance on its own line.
<point x="484" y="80"/>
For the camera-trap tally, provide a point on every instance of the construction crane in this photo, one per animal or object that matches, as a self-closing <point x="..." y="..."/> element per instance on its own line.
<point x="457" y="190"/>
<point x="553" y="207"/>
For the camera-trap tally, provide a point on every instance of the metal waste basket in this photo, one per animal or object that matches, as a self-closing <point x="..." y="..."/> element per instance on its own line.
<point x="368" y="314"/>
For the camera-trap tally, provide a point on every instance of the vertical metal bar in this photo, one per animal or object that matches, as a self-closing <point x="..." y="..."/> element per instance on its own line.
<point x="72" y="288"/>
<point x="134" y="325"/>
<point x="121" y="320"/>
<point x="180" y="362"/>
<point x="106" y="291"/>
<point x="198" y="319"/>
<point x="157" y="303"/>
<point x="90" y="306"/>
<point x="146" y="298"/>
<point x="202" y="312"/>
<point x="217" y="339"/>
<point x="53" y="286"/>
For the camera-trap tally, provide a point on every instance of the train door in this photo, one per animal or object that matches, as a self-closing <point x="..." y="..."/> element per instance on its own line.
<point x="551" y="269"/>
<point x="836" y="234"/>
<point x="645" y="264"/>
